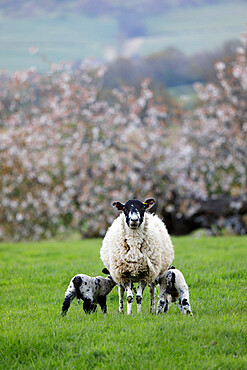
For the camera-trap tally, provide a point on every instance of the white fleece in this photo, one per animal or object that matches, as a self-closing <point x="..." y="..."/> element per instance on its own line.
<point x="144" y="253"/>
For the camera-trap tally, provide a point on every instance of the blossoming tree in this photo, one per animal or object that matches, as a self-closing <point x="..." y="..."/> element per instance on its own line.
<point x="211" y="149"/>
<point x="66" y="151"/>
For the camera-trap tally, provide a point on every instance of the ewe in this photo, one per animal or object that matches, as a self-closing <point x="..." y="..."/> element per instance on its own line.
<point x="137" y="248"/>
<point x="92" y="290"/>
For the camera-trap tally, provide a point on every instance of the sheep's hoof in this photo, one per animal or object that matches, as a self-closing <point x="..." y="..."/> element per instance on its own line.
<point x="161" y="310"/>
<point x="138" y="299"/>
<point x="130" y="299"/>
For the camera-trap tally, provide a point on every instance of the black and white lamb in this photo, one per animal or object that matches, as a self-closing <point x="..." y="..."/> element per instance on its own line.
<point x="136" y="248"/>
<point x="176" y="290"/>
<point x="92" y="290"/>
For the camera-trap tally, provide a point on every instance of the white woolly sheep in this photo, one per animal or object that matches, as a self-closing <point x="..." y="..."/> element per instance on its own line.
<point x="176" y="290"/>
<point x="92" y="290"/>
<point x="136" y="248"/>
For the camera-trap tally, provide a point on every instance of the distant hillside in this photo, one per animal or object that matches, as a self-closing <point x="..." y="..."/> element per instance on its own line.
<point x="131" y="15"/>
<point x="107" y="29"/>
<point x="144" y="8"/>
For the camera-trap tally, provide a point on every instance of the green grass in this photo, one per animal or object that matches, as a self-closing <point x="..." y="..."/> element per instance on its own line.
<point x="33" y="335"/>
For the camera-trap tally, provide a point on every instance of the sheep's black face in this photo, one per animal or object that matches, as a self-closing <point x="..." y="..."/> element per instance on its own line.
<point x="134" y="211"/>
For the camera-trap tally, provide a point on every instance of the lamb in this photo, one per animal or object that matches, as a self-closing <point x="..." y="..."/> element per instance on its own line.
<point x="136" y="248"/>
<point x="176" y="290"/>
<point x="92" y="290"/>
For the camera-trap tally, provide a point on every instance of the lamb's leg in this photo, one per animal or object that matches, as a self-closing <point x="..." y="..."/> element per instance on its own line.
<point x="162" y="297"/>
<point x="121" y="298"/>
<point x="184" y="303"/>
<point x="168" y="302"/>
<point x="88" y="306"/>
<point x="102" y="303"/>
<point x="69" y="296"/>
<point x="140" y="289"/>
<point x="130" y="297"/>
<point x="152" y="289"/>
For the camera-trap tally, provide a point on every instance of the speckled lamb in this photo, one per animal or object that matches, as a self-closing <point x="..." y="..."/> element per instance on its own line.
<point x="92" y="290"/>
<point x="136" y="248"/>
<point x="176" y="290"/>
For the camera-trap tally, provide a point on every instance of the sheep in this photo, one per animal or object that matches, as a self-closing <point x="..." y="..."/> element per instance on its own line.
<point x="136" y="248"/>
<point x="92" y="290"/>
<point x="176" y="290"/>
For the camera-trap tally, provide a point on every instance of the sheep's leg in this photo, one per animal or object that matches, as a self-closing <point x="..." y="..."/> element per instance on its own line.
<point x="88" y="306"/>
<point x="162" y="297"/>
<point x="140" y="289"/>
<point x="184" y="304"/>
<point x="152" y="290"/>
<point x="168" y="303"/>
<point x="130" y="297"/>
<point x="121" y="298"/>
<point x="69" y="296"/>
<point x="102" y="303"/>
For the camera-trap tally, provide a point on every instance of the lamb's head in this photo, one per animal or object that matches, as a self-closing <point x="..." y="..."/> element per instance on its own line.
<point x="134" y="211"/>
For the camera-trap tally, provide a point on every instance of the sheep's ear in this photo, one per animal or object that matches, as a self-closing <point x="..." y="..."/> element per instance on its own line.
<point x="149" y="203"/>
<point x="105" y="271"/>
<point x="118" y="205"/>
<point x="171" y="267"/>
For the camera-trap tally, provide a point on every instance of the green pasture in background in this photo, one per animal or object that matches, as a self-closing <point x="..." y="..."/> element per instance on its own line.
<point x="70" y="36"/>
<point x="33" y="335"/>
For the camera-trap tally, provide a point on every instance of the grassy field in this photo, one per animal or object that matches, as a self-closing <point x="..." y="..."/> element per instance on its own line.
<point x="33" y="335"/>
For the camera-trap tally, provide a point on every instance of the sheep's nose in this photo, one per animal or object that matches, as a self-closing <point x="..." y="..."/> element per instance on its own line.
<point x="134" y="217"/>
<point x="134" y="220"/>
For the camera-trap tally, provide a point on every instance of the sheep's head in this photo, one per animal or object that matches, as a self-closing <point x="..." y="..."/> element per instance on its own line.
<point x="134" y="211"/>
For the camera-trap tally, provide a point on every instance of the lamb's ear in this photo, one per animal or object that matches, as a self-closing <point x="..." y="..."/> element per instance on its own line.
<point x="171" y="267"/>
<point x="149" y="203"/>
<point x="105" y="271"/>
<point x="118" y="205"/>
